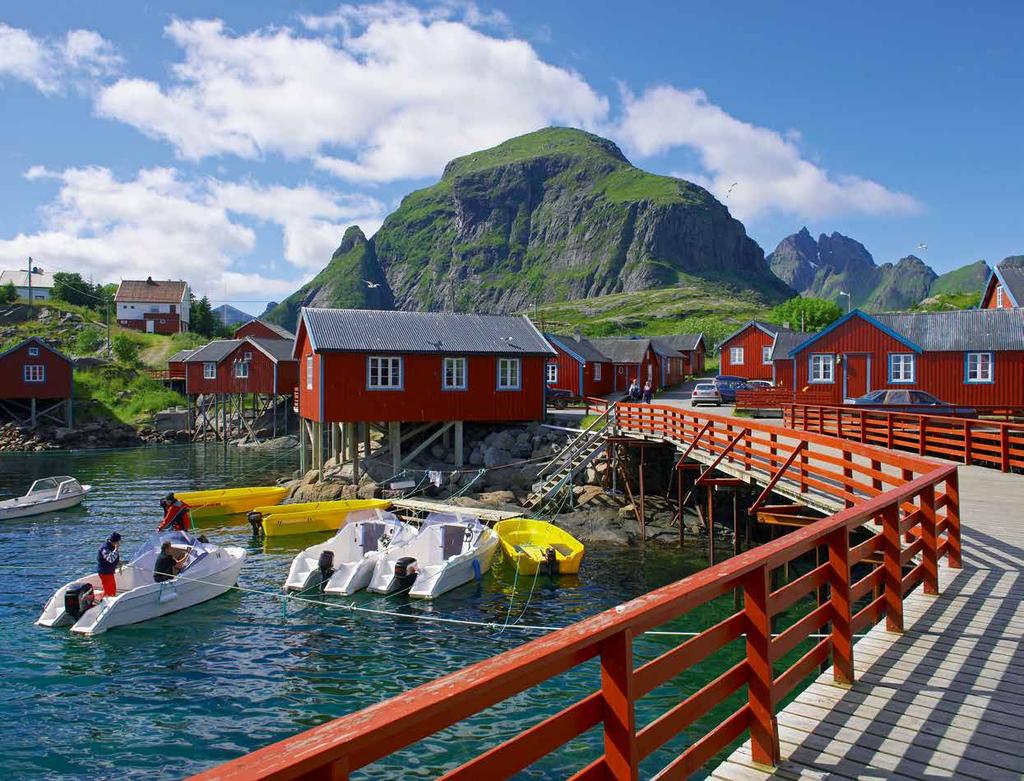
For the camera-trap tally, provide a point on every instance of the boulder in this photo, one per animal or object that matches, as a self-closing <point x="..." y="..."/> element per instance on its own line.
<point x="496" y="456"/>
<point x="476" y="458"/>
<point x="496" y="498"/>
<point x="368" y="490"/>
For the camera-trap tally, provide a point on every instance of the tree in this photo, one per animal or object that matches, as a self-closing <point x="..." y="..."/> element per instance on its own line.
<point x="812" y="314"/>
<point x="202" y="319"/>
<point x="8" y="293"/>
<point x="69" y="286"/>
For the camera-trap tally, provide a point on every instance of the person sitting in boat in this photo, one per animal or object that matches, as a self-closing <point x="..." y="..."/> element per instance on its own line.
<point x="166" y="566"/>
<point x="176" y="515"/>
<point x="106" y="564"/>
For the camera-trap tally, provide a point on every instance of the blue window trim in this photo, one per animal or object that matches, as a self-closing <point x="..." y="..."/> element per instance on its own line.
<point x="465" y="374"/>
<point x="967" y="366"/>
<point x="847" y="317"/>
<point x="810" y="369"/>
<point x="913" y="370"/>
<point x="519" y="376"/>
<point x="401" y="373"/>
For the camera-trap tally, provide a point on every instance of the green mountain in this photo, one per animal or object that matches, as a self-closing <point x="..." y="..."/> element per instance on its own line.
<point x="554" y="215"/>
<point x="835" y="265"/>
<point x="352" y="280"/>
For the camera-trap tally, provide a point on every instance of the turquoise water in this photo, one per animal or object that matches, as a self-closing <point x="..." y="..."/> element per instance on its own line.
<point x="179" y="694"/>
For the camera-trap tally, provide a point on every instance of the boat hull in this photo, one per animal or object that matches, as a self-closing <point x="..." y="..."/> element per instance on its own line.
<point x="25" y="511"/>
<point x="525" y="543"/>
<point x="284" y="522"/>
<point x="206" y="506"/>
<point x="434" y="580"/>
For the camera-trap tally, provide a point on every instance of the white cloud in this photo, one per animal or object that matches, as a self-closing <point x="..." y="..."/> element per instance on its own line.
<point x="374" y="93"/>
<point x="162" y="225"/>
<point x="49" y="63"/>
<point x="767" y="168"/>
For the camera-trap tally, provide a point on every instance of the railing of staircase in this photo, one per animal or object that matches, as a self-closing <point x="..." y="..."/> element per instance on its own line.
<point x="902" y="519"/>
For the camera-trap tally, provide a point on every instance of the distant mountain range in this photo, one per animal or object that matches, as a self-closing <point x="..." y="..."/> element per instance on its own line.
<point x="836" y="264"/>
<point x="229" y="315"/>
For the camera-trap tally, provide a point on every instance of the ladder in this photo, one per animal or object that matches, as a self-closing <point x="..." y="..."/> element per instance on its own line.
<point x="576" y="455"/>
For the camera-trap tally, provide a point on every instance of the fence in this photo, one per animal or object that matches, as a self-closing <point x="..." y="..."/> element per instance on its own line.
<point x="894" y="496"/>
<point x="777" y="398"/>
<point x="988" y="443"/>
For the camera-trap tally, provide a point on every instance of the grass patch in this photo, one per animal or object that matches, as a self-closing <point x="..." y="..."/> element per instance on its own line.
<point x="121" y="393"/>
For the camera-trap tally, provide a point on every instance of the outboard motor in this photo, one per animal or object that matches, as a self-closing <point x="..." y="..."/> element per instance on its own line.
<point x="255" y="520"/>
<point x="326" y="566"/>
<point x="405" y="572"/>
<point x="551" y="561"/>
<point x="78" y="599"/>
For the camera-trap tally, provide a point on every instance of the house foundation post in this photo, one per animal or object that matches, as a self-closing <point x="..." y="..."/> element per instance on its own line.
<point x="459" y="459"/>
<point x="395" y="444"/>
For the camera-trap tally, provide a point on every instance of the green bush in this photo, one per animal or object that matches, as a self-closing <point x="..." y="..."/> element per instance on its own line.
<point x="88" y="340"/>
<point x="813" y="313"/>
<point x="126" y="350"/>
<point x="121" y="393"/>
<point x="8" y="293"/>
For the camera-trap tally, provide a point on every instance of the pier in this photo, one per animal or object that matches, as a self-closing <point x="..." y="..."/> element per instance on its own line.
<point x="908" y="620"/>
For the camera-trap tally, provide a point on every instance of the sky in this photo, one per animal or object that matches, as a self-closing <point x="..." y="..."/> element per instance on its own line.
<point x="231" y="143"/>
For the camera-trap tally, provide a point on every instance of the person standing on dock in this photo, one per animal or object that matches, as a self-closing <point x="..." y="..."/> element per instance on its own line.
<point x="106" y="564"/>
<point x="648" y="392"/>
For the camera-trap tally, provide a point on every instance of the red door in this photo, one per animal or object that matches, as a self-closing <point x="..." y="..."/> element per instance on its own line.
<point x="857" y="382"/>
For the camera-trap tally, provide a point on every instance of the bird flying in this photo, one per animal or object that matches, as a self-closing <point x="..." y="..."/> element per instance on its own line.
<point x="370" y="284"/>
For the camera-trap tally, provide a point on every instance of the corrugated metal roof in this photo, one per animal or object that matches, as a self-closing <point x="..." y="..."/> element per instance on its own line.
<point x="786" y="340"/>
<point x="1012" y="276"/>
<point x="579" y="345"/>
<point x="151" y="290"/>
<point x="959" y="330"/>
<point x="40" y="279"/>
<point x="181" y="355"/>
<point x="623" y="350"/>
<point x="214" y="351"/>
<point x="683" y="342"/>
<point x="663" y="348"/>
<point x="382" y="331"/>
<point x="277" y="349"/>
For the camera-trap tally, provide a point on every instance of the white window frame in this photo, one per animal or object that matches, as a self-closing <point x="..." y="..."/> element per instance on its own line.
<point x="736" y="356"/>
<point x="597" y="371"/>
<point x="309" y="372"/>
<point x="242" y="370"/>
<point x="379" y="364"/>
<point x="510" y="369"/>
<point x="209" y="370"/>
<point x="999" y="296"/>
<point x="551" y="373"/>
<point x="989" y="376"/>
<point x="898" y="369"/>
<point x="818" y="363"/>
<point x="34" y="373"/>
<point x="33" y="352"/>
<point x="766" y="355"/>
<point x="457" y="366"/>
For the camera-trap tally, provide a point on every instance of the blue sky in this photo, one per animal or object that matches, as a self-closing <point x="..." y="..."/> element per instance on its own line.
<point x="152" y="138"/>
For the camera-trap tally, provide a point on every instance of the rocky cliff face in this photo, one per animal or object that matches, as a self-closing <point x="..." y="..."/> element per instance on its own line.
<point x="550" y="216"/>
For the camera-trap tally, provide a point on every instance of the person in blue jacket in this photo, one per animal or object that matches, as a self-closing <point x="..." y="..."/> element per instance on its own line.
<point x="107" y="561"/>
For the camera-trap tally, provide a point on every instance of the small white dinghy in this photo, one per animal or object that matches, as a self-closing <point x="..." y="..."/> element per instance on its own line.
<point x="449" y="550"/>
<point x="46" y="495"/>
<point x="344" y="564"/>
<point x="208" y="572"/>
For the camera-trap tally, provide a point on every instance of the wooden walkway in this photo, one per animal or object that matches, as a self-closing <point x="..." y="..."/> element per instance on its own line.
<point x="945" y="699"/>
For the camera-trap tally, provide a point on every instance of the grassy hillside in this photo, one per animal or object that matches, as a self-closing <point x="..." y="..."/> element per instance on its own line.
<point x="966" y="279"/>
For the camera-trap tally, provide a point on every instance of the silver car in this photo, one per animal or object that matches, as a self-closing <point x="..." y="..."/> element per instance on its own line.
<point x="705" y="393"/>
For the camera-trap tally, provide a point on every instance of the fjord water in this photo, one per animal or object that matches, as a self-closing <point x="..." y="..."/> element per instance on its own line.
<point x="178" y="694"/>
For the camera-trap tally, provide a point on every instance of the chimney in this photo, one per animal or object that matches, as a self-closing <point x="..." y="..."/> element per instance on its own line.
<point x="149" y="281"/>
<point x="579" y="335"/>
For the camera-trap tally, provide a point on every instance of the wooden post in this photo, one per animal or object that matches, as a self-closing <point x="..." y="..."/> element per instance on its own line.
<point x="617" y="691"/>
<point x="303" y="447"/>
<point x="643" y="514"/>
<point x="1004" y="447"/>
<point x="710" y="523"/>
<point x="366" y="439"/>
<point x="930" y="542"/>
<point x="353" y="429"/>
<point x="953" y="551"/>
<point x="893" y="578"/>
<point x="842" y="607"/>
<point x="764" y="738"/>
<point x="735" y="545"/>
<point x="459" y="458"/>
<point x="336" y="443"/>
<point x="679" y="501"/>
<point x="68" y="413"/>
<point x="395" y="443"/>
<point x="967" y="441"/>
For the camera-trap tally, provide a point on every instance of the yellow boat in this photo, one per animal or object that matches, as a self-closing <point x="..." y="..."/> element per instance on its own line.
<point x="537" y="545"/>
<point x="308" y="517"/>
<point x="217" y="503"/>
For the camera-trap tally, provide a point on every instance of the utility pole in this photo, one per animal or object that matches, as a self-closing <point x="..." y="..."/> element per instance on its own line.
<point x="30" y="281"/>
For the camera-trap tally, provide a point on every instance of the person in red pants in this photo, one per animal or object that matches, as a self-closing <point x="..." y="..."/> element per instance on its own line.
<point x="106" y="564"/>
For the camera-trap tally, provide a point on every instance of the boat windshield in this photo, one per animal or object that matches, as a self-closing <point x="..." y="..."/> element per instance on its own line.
<point x="146" y="555"/>
<point x="466" y="519"/>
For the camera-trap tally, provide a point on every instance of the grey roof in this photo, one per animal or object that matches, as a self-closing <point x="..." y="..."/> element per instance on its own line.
<point x="382" y="331"/>
<point x="277" y="349"/>
<point x="786" y="340"/>
<point x="1011" y="274"/>
<point x="214" y="351"/>
<point x="664" y="349"/>
<point x="682" y="342"/>
<point x="181" y="355"/>
<point x="622" y="350"/>
<point x="959" y="330"/>
<point x="584" y="348"/>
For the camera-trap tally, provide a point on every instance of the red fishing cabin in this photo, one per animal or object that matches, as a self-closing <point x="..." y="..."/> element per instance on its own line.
<point x="36" y="383"/>
<point x="747" y="352"/>
<point x="579" y="367"/>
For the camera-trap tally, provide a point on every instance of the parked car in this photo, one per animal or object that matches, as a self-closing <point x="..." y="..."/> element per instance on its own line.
<point x="558" y="398"/>
<point x="705" y="393"/>
<point x="727" y="386"/>
<point x="758" y="384"/>
<point x="911" y="401"/>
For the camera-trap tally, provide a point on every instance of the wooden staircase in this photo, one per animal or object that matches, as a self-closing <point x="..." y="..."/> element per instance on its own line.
<point x="576" y="455"/>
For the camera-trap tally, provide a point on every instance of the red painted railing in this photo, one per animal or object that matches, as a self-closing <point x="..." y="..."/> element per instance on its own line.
<point x="900" y="497"/>
<point x="988" y="443"/>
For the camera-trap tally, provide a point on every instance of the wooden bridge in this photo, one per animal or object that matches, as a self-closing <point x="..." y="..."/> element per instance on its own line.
<point x="920" y="694"/>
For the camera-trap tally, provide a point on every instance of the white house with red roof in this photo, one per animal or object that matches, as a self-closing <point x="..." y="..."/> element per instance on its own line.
<point x="153" y="306"/>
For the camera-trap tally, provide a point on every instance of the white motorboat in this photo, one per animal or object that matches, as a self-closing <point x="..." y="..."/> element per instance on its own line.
<point x="449" y="550"/>
<point x="45" y="495"/>
<point x="344" y="564"/>
<point x="208" y="571"/>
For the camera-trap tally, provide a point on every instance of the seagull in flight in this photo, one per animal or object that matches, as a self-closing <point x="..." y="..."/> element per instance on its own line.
<point x="922" y="247"/>
<point x="729" y="191"/>
<point x="370" y="284"/>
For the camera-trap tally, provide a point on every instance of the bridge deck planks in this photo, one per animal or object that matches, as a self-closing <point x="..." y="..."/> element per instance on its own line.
<point x="944" y="698"/>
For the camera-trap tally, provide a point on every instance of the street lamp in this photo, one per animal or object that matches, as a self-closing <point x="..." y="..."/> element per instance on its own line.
<point x="849" y="300"/>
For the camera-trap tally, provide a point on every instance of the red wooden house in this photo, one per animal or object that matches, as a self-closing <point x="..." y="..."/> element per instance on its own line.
<point x="176" y="364"/>
<point x="671" y="362"/>
<point x="692" y="347"/>
<point x="227" y="366"/>
<point x="633" y="358"/>
<point x="258" y="329"/>
<point x="747" y="352"/>
<point x="579" y="367"/>
<point x="153" y="306"/>
<point x="968" y="357"/>
<point x="36" y="382"/>
<point x="1004" y="288"/>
